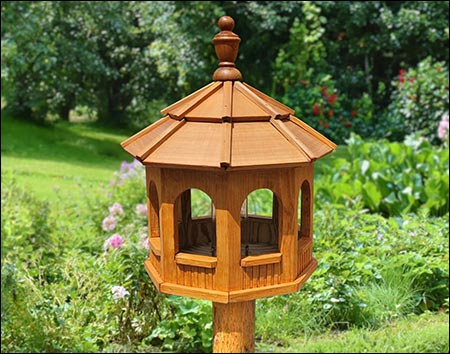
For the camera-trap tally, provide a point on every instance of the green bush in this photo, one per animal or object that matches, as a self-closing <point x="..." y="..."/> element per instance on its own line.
<point x="420" y="98"/>
<point x="389" y="178"/>
<point x="25" y="223"/>
<point x="189" y="330"/>
<point x="333" y="113"/>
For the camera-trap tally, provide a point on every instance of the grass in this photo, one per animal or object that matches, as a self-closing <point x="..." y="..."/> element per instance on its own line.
<point x="63" y="161"/>
<point x="427" y="333"/>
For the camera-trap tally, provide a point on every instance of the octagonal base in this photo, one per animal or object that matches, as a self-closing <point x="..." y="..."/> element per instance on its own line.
<point x="226" y="297"/>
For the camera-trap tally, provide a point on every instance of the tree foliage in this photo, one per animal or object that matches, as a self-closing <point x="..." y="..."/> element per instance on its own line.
<point x="119" y="59"/>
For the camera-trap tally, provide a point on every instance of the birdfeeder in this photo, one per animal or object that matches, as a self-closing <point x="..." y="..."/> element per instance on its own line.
<point x="228" y="140"/>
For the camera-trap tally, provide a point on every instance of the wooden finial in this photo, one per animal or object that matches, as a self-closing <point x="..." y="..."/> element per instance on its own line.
<point x="226" y="43"/>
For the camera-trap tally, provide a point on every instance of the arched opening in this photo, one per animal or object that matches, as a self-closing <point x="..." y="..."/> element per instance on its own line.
<point x="259" y="223"/>
<point x="195" y="219"/>
<point x="304" y="211"/>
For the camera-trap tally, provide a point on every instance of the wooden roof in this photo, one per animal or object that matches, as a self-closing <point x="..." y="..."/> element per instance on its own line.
<point x="228" y="125"/>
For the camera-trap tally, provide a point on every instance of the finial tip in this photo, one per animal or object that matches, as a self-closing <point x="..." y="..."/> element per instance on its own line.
<point x="226" y="23"/>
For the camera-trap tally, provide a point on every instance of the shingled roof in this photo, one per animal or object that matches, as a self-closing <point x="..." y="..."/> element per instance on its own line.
<point x="228" y="125"/>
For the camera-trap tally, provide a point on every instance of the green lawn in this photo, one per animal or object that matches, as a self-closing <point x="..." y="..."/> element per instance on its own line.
<point x="427" y="333"/>
<point x="63" y="161"/>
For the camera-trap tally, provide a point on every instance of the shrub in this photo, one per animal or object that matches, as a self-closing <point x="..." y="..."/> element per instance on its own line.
<point x="420" y="98"/>
<point x="25" y="223"/>
<point x="333" y="113"/>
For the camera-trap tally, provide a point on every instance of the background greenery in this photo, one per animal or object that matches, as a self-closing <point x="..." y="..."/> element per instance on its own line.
<point x="80" y="77"/>
<point x="377" y="68"/>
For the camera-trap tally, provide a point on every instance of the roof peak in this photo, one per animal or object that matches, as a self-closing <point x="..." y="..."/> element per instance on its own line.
<point x="226" y="44"/>
<point x="225" y="101"/>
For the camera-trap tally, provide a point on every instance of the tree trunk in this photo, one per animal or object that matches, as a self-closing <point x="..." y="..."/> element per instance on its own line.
<point x="234" y="327"/>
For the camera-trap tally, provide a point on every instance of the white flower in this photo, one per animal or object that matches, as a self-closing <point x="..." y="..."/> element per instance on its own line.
<point x="119" y="292"/>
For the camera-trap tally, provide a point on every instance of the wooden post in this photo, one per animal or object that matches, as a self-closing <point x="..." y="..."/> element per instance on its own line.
<point x="234" y="327"/>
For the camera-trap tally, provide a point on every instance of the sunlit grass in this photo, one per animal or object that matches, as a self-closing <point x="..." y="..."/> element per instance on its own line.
<point x="427" y="333"/>
<point x="63" y="161"/>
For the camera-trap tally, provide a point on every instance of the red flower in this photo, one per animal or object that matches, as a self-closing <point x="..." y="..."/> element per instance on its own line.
<point x="354" y="113"/>
<point x="348" y="124"/>
<point x="332" y="98"/>
<point x="320" y="123"/>
<point x="324" y="90"/>
<point x="402" y="72"/>
<point x="315" y="110"/>
<point x="326" y="125"/>
<point x="412" y="79"/>
<point x="330" y="113"/>
<point x="401" y="79"/>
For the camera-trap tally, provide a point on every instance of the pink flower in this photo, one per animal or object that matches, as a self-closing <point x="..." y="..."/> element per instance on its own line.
<point x="141" y="210"/>
<point x="115" y="241"/>
<point x="443" y="127"/>
<point x="109" y="223"/>
<point x="115" y="209"/>
<point x="119" y="292"/>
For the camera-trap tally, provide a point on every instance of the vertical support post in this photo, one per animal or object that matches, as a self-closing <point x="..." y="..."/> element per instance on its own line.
<point x="234" y="327"/>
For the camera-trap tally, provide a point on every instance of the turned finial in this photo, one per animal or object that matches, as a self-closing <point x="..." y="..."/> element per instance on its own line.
<point x="226" y="43"/>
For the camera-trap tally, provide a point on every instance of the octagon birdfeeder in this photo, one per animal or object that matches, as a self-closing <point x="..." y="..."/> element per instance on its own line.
<point x="228" y="139"/>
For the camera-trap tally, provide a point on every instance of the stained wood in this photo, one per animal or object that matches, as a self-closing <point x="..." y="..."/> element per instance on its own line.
<point x="179" y="111"/>
<point x="246" y="109"/>
<point x="226" y="44"/>
<point x="312" y="131"/>
<point x="279" y="289"/>
<point x="196" y="293"/>
<point x="187" y="98"/>
<point x="153" y="273"/>
<point x="259" y="143"/>
<point x="155" y="245"/>
<point x="229" y="139"/>
<point x="283" y="110"/>
<point x="304" y="139"/>
<point x="148" y="137"/>
<point x="262" y="259"/>
<point x="155" y="128"/>
<point x="211" y="106"/>
<point x="251" y="96"/>
<point x="196" y="144"/>
<point x="234" y="327"/>
<point x="196" y="260"/>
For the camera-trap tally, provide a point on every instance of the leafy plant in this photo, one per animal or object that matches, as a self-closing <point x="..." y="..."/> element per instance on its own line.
<point x="190" y="330"/>
<point x="390" y="178"/>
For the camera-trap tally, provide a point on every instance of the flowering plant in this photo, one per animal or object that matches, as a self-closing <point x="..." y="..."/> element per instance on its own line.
<point x="329" y="111"/>
<point x="420" y="98"/>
